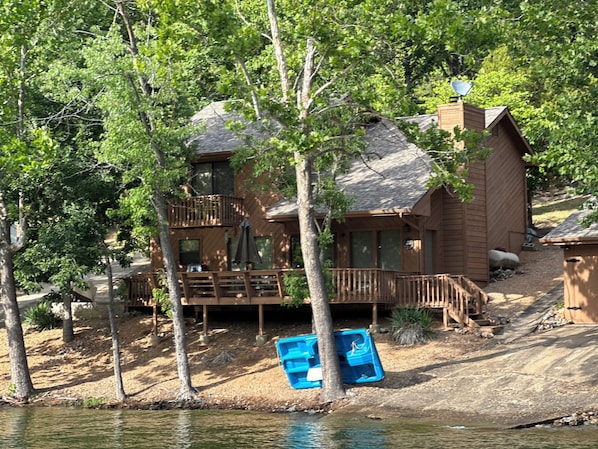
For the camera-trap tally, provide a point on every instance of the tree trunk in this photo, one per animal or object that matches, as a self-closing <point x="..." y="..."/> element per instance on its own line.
<point x="68" y="333"/>
<point x="332" y="383"/>
<point x="118" y="379"/>
<point x="187" y="391"/>
<point x="19" y="368"/>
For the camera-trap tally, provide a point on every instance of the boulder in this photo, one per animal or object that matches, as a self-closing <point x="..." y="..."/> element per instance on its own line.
<point x="502" y="259"/>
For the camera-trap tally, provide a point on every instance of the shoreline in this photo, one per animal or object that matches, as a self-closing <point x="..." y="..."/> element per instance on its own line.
<point x="341" y="407"/>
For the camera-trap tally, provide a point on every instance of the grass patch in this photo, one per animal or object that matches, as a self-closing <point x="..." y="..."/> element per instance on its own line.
<point x="550" y="214"/>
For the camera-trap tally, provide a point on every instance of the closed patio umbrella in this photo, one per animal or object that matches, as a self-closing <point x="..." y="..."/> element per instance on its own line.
<point x="246" y="248"/>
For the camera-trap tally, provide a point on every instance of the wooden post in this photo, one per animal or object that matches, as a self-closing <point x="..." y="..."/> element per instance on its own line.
<point x="205" y="319"/>
<point x="261" y="319"/>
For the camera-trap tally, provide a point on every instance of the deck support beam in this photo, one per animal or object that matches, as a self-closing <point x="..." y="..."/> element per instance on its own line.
<point x="261" y="338"/>
<point x="205" y="319"/>
<point x="260" y="309"/>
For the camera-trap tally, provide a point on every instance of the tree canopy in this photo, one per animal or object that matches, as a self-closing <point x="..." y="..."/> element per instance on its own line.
<point x="96" y="100"/>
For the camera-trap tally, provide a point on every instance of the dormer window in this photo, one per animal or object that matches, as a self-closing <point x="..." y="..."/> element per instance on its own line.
<point x="213" y="178"/>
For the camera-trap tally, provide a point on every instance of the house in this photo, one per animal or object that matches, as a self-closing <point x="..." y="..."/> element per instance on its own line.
<point x="397" y="226"/>
<point x="580" y="263"/>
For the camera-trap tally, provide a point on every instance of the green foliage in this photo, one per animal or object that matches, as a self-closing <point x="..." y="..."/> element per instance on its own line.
<point x="40" y="315"/>
<point x="93" y="402"/>
<point x="450" y="164"/>
<point x="411" y="326"/>
<point x="295" y="285"/>
<point x="160" y="295"/>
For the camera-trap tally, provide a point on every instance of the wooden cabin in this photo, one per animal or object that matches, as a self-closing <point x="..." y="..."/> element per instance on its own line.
<point x="580" y="266"/>
<point x="396" y="225"/>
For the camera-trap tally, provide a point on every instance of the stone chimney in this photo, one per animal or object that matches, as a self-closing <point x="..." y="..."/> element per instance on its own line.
<point x="463" y="115"/>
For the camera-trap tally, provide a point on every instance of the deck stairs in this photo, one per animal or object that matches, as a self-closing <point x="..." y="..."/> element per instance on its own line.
<point x="463" y="303"/>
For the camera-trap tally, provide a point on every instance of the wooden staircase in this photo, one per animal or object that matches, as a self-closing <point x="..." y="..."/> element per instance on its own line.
<point x="463" y="303"/>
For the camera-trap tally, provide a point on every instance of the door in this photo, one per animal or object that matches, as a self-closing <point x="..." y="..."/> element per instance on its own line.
<point x="581" y="284"/>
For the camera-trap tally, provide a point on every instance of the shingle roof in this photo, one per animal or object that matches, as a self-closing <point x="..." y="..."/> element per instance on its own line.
<point x="571" y="231"/>
<point x="392" y="179"/>
<point x="216" y="137"/>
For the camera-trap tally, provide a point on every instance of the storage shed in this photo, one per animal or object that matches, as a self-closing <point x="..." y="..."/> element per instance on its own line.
<point x="580" y="265"/>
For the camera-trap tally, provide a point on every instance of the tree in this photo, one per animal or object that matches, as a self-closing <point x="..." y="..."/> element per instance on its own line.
<point x="306" y="75"/>
<point x="135" y="74"/>
<point x="25" y="149"/>
<point x="556" y="42"/>
<point x="316" y="131"/>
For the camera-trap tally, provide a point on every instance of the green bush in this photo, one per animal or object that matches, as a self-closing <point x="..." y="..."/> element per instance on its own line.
<point x="41" y="317"/>
<point x="295" y="285"/>
<point x="411" y="326"/>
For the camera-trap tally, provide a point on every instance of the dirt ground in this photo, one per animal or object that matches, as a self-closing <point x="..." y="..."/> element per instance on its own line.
<point x="231" y="371"/>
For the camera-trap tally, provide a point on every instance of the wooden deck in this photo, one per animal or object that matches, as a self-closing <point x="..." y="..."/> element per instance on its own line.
<point x="206" y="210"/>
<point x="460" y="299"/>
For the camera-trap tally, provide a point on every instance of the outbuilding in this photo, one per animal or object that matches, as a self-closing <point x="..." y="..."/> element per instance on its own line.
<point x="580" y="265"/>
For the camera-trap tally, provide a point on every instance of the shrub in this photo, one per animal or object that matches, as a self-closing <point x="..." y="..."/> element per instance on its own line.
<point x="41" y="317"/>
<point x="411" y="326"/>
<point x="295" y="285"/>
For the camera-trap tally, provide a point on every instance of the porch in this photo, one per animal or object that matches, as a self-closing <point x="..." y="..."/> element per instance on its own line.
<point x="459" y="299"/>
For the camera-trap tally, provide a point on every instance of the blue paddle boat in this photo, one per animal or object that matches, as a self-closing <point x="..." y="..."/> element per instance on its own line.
<point x="359" y="360"/>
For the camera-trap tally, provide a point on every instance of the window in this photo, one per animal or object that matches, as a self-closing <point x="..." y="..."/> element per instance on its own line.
<point x="189" y="253"/>
<point x="297" y="257"/>
<point x="211" y="178"/>
<point x="389" y="250"/>
<point x="362" y="249"/>
<point x="264" y="248"/>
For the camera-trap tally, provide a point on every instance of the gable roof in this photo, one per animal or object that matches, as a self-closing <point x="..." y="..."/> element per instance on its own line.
<point x="391" y="178"/>
<point x="216" y="138"/>
<point x="570" y="231"/>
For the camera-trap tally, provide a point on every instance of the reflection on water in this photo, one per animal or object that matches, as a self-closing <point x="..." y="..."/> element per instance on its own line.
<point x="59" y="428"/>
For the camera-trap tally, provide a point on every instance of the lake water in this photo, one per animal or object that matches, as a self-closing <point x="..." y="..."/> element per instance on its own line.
<point x="60" y="428"/>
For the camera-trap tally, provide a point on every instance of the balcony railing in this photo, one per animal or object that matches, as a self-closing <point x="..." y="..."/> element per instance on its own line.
<point x="206" y="210"/>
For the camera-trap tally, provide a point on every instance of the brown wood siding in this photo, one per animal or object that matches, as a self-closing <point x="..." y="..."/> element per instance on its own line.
<point x="453" y="235"/>
<point x="213" y="240"/>
<point x="464" y="236"/>
<point x="476" y="259"/>
<point x="464" y="231"/>
<point x="506" y="193"/>
<point x="463" y="115"/>
<point x="581" y="283"/>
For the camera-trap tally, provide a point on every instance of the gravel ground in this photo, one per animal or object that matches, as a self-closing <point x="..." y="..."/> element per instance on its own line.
<point x="450" y="377"/>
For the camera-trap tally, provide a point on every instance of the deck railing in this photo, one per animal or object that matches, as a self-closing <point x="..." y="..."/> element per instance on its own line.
<point x="364" y="285"/>
<point x="456" y="294"/>
<point x="206" y="210"/>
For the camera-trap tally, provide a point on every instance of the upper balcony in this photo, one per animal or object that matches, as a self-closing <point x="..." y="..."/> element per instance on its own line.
<point x="206" y="210"/>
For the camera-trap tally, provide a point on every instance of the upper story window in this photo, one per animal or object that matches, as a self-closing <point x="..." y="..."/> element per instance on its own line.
<point x="213" y="178"/>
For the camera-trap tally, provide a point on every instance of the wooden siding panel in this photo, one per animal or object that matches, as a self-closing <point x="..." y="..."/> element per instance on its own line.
<point x="507" y="193"/>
